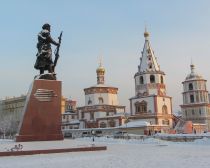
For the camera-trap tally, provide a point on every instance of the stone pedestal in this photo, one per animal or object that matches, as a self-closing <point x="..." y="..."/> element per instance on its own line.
<point x="41" y="119"/>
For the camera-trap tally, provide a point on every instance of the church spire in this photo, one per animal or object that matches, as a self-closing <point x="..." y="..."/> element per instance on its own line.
<point x="148" y="60"/>
<point x="100" y="73"/>
<point x="192" y="67"/>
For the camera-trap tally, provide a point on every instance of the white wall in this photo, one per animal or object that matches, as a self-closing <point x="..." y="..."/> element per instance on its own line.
<point x="161" y="103"/>
<point x="108" y="98"/>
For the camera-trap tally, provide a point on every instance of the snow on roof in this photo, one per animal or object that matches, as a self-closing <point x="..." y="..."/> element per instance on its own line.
<point x="137" y="123"/>
<point x="102" y="85"/>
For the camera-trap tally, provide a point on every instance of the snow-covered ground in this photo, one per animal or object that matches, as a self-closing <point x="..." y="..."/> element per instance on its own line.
<point x="150" y="153"/>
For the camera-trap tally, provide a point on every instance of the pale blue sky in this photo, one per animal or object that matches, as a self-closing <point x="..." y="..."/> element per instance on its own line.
<point x="180" y="30"/>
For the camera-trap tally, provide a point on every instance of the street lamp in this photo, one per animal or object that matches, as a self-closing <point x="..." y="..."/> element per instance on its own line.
<point x="93" y="133"/>
<point x="126" y="121"/>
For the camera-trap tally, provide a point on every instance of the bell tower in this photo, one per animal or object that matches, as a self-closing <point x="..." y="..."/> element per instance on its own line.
<point x="150" y="103"/>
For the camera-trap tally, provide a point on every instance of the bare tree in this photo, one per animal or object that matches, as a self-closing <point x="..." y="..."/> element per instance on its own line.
<point x="8" y="124"/>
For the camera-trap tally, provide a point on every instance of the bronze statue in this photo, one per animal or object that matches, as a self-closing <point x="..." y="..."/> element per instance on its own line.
<point x="44" y="55"/>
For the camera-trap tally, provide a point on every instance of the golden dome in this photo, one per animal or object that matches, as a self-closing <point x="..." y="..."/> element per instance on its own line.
<point x="100" y="69"/>
<point x="146" y="34"/>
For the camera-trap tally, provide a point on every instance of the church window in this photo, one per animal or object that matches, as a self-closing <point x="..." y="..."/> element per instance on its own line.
<point x="112" y="123"/>
<point x="164" y="109"/>
<point x="89" y="102"/>
<point x="200" y="111"/>
<point x="191" y="98"/>
<point x="102" y="125"/>
<point x="150" y="66"/>
<point x="141" y="107"/>
<point x="141" y="80"/>
<point x="165" y="122"/>
<point x="190" y="86"/>
<point x="152" y="79"/>
<point x="161" y="79"/>
<point x="100" y="100"/>
<point x="91" y="116"/>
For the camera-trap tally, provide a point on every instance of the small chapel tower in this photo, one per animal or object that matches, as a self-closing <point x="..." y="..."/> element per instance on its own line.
<point x="100" y="74"/>
<point x="150" y="102"/>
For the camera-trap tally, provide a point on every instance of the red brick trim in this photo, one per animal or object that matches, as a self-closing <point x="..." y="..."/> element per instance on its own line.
<point x="47" y="151"/>
<point x="93" y="90"/>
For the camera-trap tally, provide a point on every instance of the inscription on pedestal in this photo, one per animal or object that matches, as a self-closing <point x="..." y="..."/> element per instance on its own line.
<point x="44" y="95"/>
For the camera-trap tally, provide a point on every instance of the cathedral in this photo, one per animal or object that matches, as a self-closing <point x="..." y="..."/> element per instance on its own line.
<point x="150" y="103"/>
<point x="101" y="108"/>
<point x="196" y="107"/>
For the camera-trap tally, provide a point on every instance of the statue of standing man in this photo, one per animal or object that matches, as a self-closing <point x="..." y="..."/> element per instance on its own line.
<point x="44" y="55"/>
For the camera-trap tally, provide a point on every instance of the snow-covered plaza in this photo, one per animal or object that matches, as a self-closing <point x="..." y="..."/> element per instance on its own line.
<point x="150" y="153"/>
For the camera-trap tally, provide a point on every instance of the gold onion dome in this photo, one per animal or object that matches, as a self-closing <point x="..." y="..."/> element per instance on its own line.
<point x="146" y="34"/>
<point x="100" y="69"/>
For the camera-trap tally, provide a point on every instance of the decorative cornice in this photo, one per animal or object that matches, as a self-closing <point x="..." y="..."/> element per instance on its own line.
<point x="194" y="105"/>
<point x="93" y="90"/>
<point x="149" y="72"/>
<point x="100" y="108"/>
<point x="191" y="91"/>
<point x="193" y="80"/>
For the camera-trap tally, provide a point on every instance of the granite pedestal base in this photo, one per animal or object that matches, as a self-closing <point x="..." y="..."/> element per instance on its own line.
<point x="41" y="120"/>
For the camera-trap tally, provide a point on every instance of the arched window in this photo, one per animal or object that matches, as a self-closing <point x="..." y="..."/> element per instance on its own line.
<point x="192" y="99"/>
<point x="199" y="111"/>
<point x="100" y="100"/>
<point x="190" y="86"/>
<point x="141" y="107"/>
<point x="89" y="102"/>
<point x="141" y="80"/>
<point x="112" y="123"/>
<point x="161" y="79"/>
<point x="164" y="109"/>
<point x="152" y="79"/>
<point x="102" y="125"/>
<point x="91" y="116"/>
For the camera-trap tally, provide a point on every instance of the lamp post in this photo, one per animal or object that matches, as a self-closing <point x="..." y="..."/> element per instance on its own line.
<point x="93" y="133"/>
<point x="126" y="121"/>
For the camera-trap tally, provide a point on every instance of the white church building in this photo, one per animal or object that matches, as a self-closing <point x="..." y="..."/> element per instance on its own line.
<point x="150" y="103"/>
<point x="101" y="108"/>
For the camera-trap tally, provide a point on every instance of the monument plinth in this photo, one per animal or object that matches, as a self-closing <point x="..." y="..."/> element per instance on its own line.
<point x="41" y="119"/>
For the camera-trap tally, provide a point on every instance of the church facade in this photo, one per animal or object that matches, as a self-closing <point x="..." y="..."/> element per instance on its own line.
<point x="101" y="108"/>
<point x="150" y="103"/>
